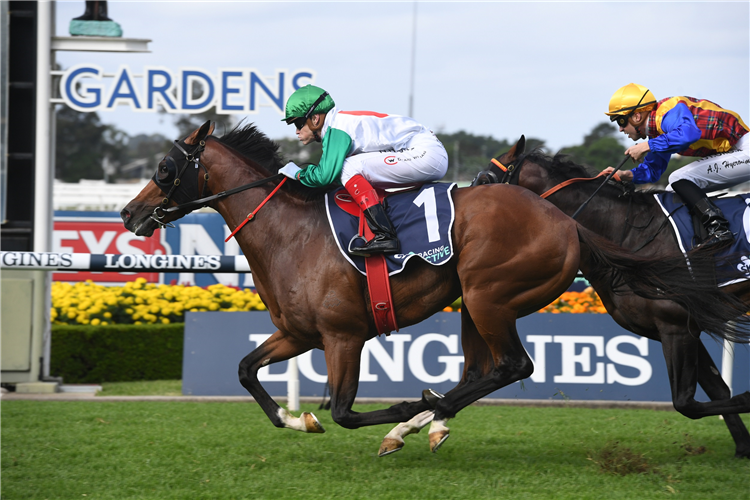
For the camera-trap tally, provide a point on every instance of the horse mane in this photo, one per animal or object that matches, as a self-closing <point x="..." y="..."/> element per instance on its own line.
<point x="561" y="167"/>
<point x="255" y="146"/>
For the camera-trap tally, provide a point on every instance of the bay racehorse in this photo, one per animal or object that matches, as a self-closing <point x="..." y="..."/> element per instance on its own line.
<point x="513" y="254"/>
<point x="634" y="220"/>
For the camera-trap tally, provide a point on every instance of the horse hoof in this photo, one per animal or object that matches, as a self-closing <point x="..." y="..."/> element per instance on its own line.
<point x="437" y="439"/>
<point x="390" y="445"/>
<point x="311" y="423"/>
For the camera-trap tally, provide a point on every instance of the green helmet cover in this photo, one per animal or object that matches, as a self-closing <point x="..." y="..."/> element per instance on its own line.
<point x="300" y="101"/>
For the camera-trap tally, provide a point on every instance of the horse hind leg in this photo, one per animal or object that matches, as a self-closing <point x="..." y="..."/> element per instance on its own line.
<point x="278" y="347"/>
<point x="510" y="364"/>
<point x="477" y="363"/>
<point x="710" y="380"/>
<point x="682" y="354"/>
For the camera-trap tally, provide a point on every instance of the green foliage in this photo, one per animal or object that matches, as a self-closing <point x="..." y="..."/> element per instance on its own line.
<point x="111" y="353"/>
<point x="142" y="388"/>
<point x="181" y="450"/>
<point x="82" y="142"/>
<point x="293" y="150"/>
<point x="600" y="149"/>
<point x="468" y="154"/>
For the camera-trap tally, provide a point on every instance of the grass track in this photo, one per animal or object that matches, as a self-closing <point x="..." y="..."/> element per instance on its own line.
<point x="165" y="450"/>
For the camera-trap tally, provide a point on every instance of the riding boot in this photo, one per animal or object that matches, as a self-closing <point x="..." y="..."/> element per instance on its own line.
<point x="711" y="216"/>
<point x="715" y="223"/>
<point x="384" y="239"/>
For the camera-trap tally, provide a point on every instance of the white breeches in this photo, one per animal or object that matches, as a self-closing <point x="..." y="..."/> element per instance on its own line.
<point x="423" y="160"/>
<point x="719" y="171"/>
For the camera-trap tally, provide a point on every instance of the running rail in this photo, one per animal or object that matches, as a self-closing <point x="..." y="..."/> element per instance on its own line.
<point x="60" y="261"/>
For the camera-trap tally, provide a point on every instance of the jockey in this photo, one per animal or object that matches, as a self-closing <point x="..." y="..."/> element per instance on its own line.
<point x="689" y="127"/>
<point x="362" y="149"/>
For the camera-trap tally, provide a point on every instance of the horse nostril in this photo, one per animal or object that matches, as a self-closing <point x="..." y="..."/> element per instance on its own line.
<point x="125" y="214"/>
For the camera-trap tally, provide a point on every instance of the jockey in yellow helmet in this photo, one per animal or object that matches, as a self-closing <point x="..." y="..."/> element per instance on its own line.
<point x="689" y="127"/>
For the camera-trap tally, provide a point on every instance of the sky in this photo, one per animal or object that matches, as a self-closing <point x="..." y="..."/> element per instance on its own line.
<point x="543" y="69"/>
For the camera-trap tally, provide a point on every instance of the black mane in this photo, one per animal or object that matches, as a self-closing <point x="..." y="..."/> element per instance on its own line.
<point x="254" y="145"/>
<point x="561" y="167"/>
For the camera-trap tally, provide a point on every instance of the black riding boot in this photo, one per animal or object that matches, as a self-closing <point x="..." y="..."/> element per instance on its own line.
<point x="385" y="240"/>
<point x="711" y="216"/>
<point x="715" y="223"/>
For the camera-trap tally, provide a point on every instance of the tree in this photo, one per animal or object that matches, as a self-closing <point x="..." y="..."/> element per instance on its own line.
<point x="468" y="154"/>
<point x="82" y="143"/>
<point x="600" y="149"/>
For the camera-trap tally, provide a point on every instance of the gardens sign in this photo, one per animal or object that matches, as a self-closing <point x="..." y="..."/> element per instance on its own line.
<point x="86" y="88"/>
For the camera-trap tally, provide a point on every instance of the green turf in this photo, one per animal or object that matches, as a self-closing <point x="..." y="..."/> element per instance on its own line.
<point x="160" y="450"/>
<point x="145" y="388"/>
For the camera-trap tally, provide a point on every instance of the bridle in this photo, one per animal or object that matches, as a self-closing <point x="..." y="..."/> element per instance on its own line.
<point x="170" y="189"/>
<point x="512" y="171"/>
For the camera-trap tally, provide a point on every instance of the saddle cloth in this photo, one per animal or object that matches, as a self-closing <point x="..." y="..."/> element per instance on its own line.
<point x="422" y="219"/>
<point x="737" y="211"/>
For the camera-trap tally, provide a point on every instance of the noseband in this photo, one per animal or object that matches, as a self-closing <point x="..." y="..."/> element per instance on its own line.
<point x="185" y="202"/>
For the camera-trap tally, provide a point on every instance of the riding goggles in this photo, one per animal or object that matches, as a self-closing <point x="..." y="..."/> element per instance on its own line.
<point x="299" y="122"/>
<point x="622" y="120"/>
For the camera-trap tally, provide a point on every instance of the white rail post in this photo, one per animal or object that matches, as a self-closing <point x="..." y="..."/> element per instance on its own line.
<point x="292" y="386"/>
<point x="727" y="363"/>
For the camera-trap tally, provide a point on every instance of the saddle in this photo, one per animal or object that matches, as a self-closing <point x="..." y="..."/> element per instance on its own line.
<point x="422" y="219"/>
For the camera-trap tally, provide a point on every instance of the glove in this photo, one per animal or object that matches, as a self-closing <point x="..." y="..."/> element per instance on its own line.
<point x="290" y="170"/>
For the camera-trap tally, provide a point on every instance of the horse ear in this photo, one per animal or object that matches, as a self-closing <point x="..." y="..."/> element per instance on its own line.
<point x="517" y="149"/>
<point x="200" y="133"/>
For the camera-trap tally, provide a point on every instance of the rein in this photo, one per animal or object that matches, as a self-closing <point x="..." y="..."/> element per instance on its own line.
<point x="194" y="157"/>
<point x="573" y="181"/>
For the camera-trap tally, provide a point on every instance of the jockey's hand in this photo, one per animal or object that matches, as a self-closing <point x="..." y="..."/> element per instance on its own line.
<point x="638" y="151"/>
<point x="290" y="170"/>
<point x="625" y="175"/>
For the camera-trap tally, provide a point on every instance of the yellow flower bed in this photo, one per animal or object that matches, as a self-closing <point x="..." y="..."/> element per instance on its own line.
<point x="139" y="302"/>
<point x="586" y="301"/>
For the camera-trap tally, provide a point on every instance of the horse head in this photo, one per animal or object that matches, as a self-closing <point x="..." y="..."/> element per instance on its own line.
<point x="180" y="178"/>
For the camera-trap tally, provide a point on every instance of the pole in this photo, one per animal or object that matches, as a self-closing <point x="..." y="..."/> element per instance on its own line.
<point x="43" y="216"/>
<point x="292" y="387"/>
<point x="727" y="363"/>
<point x="413" y="58"/>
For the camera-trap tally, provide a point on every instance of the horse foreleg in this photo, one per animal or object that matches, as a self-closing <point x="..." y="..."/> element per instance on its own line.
<point x="278" y="347"/>
<point x="710" y="380"/>
<point x="681" y="351"/>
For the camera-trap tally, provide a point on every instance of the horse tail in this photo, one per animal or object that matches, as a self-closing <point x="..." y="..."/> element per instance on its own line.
<point x="691" y="284"/>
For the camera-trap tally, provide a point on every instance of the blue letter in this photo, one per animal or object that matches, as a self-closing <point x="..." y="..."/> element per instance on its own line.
<point x="188" y="76"/>
<point x="151" y="89"/>
<point x="124" y="78"/>
<point x="295" y="79"/>
<point x="278" y="101"/>
<point x="226" y="90"/>
<point x="68" y="83"/>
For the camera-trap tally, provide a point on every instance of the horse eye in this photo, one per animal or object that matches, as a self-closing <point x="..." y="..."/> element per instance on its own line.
<point x="162" y="171"/>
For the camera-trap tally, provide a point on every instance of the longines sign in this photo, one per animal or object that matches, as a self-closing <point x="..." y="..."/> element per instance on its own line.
<point x="86" y="88"/>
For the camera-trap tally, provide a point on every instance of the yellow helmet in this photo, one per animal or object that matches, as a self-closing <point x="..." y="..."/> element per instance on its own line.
<point x="629" y="98"/>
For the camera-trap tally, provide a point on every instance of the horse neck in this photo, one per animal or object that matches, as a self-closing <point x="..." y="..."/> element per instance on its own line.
<point x="277" y="232"/>
<point x="609" y="214"/>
